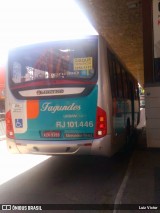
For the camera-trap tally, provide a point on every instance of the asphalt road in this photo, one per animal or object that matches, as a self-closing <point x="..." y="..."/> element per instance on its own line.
<point x="60" y="180"/>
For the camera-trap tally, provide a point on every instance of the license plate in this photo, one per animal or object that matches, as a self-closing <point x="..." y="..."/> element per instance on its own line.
<point x="51" y="134"/>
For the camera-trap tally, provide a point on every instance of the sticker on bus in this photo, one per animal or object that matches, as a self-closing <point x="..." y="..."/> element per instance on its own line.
<point x="78" y="135"/>
<point x="19" y="123"/>
<point x="83" y="63"/>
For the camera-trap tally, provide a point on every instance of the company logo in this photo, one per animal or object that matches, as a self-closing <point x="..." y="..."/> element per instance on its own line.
<point x="47" y="92"/>
<point x="48" y="107"/>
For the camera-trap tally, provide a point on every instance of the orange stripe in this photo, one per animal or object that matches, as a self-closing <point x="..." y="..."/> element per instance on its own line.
<point x="32" y="109"/>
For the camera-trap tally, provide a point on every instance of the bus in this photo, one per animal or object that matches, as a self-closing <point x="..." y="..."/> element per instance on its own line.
<point x="70" y="97"/>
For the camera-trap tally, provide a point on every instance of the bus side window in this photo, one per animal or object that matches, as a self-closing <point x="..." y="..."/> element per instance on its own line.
<point x="119" y="80"/>
<point x="124" y="78"/>
<point x="131" y="91"/>
<point x="111" y="73"/>
<point x="136" y="91"/>
<point x="128" y="86"/>
<point x="134" y="86"/>
<point x="115" y="77"/>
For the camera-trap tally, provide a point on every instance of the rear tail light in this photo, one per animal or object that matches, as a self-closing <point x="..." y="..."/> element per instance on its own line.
<point x="101" y="123"/>
<point x="9" y="125"/>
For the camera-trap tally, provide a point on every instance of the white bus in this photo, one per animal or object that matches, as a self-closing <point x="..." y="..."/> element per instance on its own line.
<point x="69" y="97"/>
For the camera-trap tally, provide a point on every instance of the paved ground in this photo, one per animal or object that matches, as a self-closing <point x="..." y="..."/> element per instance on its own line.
<point x="60" y="180"/>
<point x="132" y="178"/>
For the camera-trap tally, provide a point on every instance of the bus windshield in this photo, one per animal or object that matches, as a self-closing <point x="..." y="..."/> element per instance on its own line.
<point x="69" y="60"/>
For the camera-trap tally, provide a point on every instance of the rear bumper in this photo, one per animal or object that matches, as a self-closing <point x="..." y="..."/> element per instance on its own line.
<point x="79" y="147"/>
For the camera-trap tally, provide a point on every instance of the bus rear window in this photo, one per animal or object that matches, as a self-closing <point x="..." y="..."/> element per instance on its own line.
<point x="57" y="60"/>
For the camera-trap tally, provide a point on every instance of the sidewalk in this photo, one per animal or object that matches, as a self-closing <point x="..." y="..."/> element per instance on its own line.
<point x="143" y="185"/>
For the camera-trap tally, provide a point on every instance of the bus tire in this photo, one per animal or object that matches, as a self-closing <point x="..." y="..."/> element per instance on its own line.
<point x="128" y="127"/>
<point x="128" y="133"/>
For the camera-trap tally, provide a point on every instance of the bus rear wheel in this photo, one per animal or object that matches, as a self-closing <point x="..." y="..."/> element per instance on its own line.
<point x="128" y="135"/>
<point x="128" y="129"/>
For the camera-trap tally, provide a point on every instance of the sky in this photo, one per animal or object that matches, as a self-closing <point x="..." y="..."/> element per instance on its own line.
<point x="24" y="22"/>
